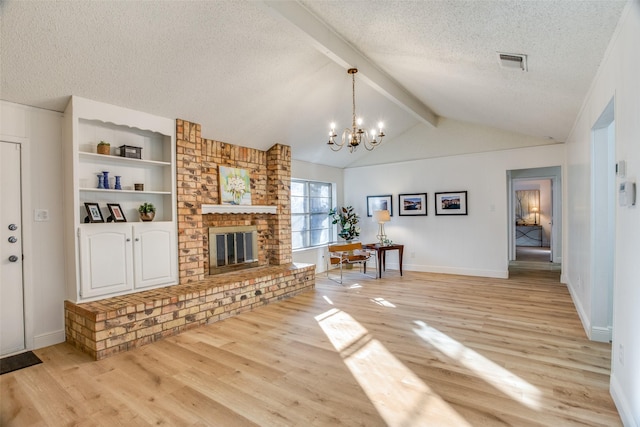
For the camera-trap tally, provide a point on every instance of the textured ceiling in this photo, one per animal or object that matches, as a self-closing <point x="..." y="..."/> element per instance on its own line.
<point x="253" y="77"/>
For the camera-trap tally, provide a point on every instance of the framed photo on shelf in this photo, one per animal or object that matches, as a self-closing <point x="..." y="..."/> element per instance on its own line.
<point x="116" y="212"/>
<point x="452" y="203"/>
<point x="412" y="204"/>
<point x="93" y="212"/>
<point x="379" y="203"/>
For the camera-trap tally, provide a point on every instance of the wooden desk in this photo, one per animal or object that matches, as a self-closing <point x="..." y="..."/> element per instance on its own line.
<point x="381" y="251"/>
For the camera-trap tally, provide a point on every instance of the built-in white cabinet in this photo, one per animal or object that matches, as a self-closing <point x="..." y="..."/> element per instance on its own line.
<point x="106" y="259"/>
<point x="154" y="254"/>
<point x="114" y="258"/>
<point x="119" y="258"/>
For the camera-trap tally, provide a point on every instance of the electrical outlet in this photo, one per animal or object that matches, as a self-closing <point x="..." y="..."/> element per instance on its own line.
<point x="621" y="354"/>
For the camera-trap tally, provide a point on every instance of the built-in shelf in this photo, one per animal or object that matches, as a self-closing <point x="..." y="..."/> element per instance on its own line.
<point x="238" y="209"/>
<point x="105" y="190"/>
<point x="121" y="160"/>
<point x="140" y="255"/>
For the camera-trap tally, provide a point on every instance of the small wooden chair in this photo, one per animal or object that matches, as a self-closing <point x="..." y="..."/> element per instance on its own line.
<point x="348" y="254"/>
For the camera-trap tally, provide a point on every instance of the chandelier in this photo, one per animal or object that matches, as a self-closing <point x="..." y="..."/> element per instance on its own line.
<point x="355" y="136"/>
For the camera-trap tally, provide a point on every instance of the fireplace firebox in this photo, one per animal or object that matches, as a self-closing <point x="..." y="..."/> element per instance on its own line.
<point x="232" y="248"/>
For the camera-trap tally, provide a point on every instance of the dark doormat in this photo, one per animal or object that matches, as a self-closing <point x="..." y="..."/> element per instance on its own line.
<point x="19" y="361"/>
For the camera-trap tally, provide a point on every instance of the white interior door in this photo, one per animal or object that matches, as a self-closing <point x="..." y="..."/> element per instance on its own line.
<point x="12" y="337"/>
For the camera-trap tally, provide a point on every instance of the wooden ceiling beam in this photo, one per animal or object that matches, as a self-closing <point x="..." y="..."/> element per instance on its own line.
<point x="328" y="41"/>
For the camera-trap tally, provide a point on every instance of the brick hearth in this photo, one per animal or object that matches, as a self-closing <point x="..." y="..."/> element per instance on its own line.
<point x="113" y="325"/>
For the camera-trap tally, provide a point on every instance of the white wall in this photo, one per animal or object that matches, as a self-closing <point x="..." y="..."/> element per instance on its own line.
<point x="619" y="77"/>
<point x="476" y="244"/>
<point x="311" y="171"/>
<point x="40" y="133"/>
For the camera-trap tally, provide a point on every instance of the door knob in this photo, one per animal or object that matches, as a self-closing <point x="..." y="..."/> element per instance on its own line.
<point x="13" y="258"/>
<point x="12" y="239"/>
<point x="13" y="227"/>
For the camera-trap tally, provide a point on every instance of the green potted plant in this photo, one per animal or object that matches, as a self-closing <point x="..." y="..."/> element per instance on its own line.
<point x="104" y="148"/>
<point x="347" y="220"/>
<point x="147" y="211"/>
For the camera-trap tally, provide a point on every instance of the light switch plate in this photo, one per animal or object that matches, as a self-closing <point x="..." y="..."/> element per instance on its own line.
<point x="41" y="215"/>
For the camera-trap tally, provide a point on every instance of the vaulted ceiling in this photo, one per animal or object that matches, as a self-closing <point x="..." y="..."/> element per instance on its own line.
<point x="255" y="73"/>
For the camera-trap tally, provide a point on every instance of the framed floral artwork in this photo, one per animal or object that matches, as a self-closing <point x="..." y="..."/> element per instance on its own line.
<point x="452" y="203"/>
<point x="412" y="204"/>
<point x="235" y="186"/>
<point x="379" y="203"/>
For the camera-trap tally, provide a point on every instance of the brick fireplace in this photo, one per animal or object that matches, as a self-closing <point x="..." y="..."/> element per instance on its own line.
<point x="197" y="182"/>
<point x="113" y="325"/>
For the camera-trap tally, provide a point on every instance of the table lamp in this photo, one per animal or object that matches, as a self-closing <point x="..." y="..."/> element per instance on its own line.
<point x="381" y="217"/>
<point x="535" y="211"/>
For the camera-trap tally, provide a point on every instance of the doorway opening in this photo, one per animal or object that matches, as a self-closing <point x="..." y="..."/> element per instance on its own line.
<point x="603" y="209"/>
<point x="535" y="218"/>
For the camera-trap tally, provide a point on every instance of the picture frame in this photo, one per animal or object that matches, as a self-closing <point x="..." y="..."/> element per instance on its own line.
<point x="116" y="212"/>
<point x="235" y="186"/>
<point x="379" y="203"/>
<point x="94" y="214"/>
<point x="451" y="203"/>
<point x="527" y="207"/>
<point x="412" y="204"/>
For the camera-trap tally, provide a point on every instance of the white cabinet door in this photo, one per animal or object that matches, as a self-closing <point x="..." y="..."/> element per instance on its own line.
<point x="105" y="259"/>
<point x="155" y="254"/>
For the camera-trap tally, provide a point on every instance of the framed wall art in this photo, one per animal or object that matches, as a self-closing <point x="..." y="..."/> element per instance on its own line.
<point x="451" y="203"/>
<point x="116" y="212"/>
<point x="527" y="205"/>
<point x="235" y="186"/>
<point x="413" y="204"/>
<point x="379" y="203"/>
<point x="93" y="213"/>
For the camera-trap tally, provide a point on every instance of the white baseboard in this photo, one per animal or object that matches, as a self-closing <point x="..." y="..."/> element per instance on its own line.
<point x="586" y="323"/>
<point x="622" y="404"/>
<point x="600" y="334"/>
<point x="498" y="274"/>
<point x="45" y="340"/>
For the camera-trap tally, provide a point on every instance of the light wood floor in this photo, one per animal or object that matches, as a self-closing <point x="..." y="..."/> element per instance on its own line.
<point x="421" y="350"/>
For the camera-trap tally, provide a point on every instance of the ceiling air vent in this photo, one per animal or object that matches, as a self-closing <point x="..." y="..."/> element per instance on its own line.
<point x="513" y="60"/>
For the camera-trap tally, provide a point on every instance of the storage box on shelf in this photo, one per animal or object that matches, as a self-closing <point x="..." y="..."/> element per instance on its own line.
<point x="118" y="258"/>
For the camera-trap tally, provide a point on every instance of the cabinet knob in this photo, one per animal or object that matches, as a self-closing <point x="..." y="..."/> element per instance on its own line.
<point x="128" y="239"/>
<point x="137" y="239"/>
<point x="13" y="258"/>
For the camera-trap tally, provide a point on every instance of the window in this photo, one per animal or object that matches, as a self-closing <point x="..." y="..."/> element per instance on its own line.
<point x="310" y="206"/>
